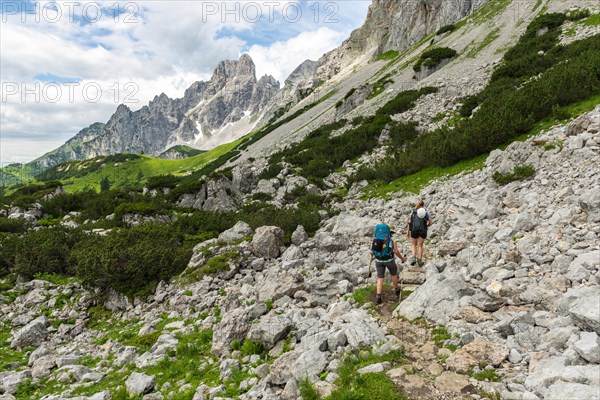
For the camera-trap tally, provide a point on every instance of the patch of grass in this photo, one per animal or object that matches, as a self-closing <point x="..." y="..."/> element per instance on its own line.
<point x="476" y="48"/>
<point x="520" y="172"/>
<point x="56" y="279"/>
<point x="592" y="20"/>
<point x="308" y="391"/>
<point x="388" y="55"/>
<point x="487" y="375"/>
<point x="375" y="386"/>
<point x="250" y="347"/>
<point x="269" y="304"/>
<point x="415" y="182"/>
<point x="217" y="312"/>
<point x="485" y="13"/>
<point x="25" y="390"/>
<point x="361" y="295"/>
<point x="378" y="87"/>
<point x="184" y="362"/>
<point x="490" y="395"/>
<point x="213" y="266"/>
<point x="538" y="3"/>
<point x="439" y="335"/>
<point x="9" y="356"/>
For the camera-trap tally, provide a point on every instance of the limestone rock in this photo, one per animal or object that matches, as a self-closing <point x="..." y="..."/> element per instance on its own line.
<point x="32" y="334"/>
<point x="237" y="232"/>
<point x="270" y="329"/>
<point x="267" y="242"/>
<point x="138" y="383"/>
<point x="480" y="350"/>
<point x="588" y="347"/>
<point x="452" y="382"/>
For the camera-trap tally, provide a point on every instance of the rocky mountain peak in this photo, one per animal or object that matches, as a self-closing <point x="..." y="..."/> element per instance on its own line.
<point x="393" y="25"/>
<point x="209" y="114"/>
<point x="244" y="67"/>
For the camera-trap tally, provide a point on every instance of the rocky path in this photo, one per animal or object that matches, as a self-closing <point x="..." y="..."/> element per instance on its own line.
<point x="423" y="376"/>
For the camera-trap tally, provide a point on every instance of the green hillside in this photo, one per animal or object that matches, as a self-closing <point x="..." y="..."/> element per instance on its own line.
<point x="126" y="170"/>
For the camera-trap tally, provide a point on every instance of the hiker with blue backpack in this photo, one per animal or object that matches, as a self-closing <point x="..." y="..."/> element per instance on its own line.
<point x="420" y="220"/>
<point x="383" y="249"/>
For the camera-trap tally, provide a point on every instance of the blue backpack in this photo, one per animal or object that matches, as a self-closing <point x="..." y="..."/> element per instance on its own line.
<point x="382" y="246"/>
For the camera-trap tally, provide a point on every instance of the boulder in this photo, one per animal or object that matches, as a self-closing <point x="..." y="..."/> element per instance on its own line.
<point x="239" y="231"/>
<point x="299" y="236"/>
<point x="450" y="248"/>
<point x="267" y="242"/>
<point x="233" y="326"/>
<point x="452" y="382"/>
<point x="138" y="383"/>
<point x="267" y="186"/>
<point x="11" y="381"/>
<point x="277" y="283"/>
<point x="32" y="334"/>
<point x="436" y="300"/>
<point x="281" y="369"/>
<point x="43" y="366"/>
<point x="361" y="330"/>
<point x="270" y="329"/>
<point x="331" y="244"/>
<point x="353" y="226"/>
<point x="309" y="365"/>
<point x="375" y="368"/>
<point x="588" y="347"/>
<point x="584" y="307"/>
<point x="479" y="350"/>
<point x="573" y="391"/>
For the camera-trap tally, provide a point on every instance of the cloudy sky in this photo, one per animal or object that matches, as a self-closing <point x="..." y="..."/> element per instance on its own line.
<point x="65" y="65"/>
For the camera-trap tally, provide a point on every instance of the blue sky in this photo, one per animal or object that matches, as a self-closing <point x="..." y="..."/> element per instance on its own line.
<point x="66" y="65"/>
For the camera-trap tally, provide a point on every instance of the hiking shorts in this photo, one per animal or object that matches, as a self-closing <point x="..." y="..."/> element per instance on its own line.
<point x="381" y="266"/>
<point x="416" y="235"/>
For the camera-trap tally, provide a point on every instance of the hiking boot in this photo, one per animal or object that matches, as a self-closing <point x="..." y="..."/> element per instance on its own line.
<point x="413" y="260"/>
<point x="420" y="262"/>
<point x="379" y="301"/>
<point x="397" y="291"/>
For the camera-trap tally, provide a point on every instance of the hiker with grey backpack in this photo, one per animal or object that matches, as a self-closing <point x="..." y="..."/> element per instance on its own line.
<point x="383" y="249"/>
<point x="420" y="220"/>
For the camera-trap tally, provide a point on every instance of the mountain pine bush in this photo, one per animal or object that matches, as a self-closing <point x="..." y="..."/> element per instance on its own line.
<point x="537" y="77"/>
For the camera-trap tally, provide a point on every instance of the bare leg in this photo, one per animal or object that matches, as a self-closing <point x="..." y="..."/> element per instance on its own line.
<point x="395" y="281"/>
<point x="414" y="246"/>
<point x="380" y="285"/>
<point x="420" y="242"/>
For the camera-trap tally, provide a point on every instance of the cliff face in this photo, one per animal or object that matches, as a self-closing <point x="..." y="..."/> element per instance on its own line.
<point x="394" y="25"/>
<point x="230" y="99"/>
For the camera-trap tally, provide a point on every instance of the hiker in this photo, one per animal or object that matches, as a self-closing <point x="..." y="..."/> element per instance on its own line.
<point x="420" y="219"/>
<point x="383" y="249"/>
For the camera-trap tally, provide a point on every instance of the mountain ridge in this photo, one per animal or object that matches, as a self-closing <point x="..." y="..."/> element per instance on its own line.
<point x="210" y="113"/>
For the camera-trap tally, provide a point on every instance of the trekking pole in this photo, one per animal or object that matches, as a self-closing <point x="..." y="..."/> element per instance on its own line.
<point x="370" y="263"/>
<point x="401" y="281"/>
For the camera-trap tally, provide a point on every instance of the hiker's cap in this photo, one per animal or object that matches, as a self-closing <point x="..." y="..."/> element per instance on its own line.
<point x="421" y="212"/>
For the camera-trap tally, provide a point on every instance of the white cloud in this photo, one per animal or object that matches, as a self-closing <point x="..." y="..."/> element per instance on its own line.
<point x="164" y="47"/>
<point x="281" y="58"/>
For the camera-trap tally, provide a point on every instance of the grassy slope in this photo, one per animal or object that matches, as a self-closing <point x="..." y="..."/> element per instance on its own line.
<point x="127" y="173"/>
<point x="415" y="182"/>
